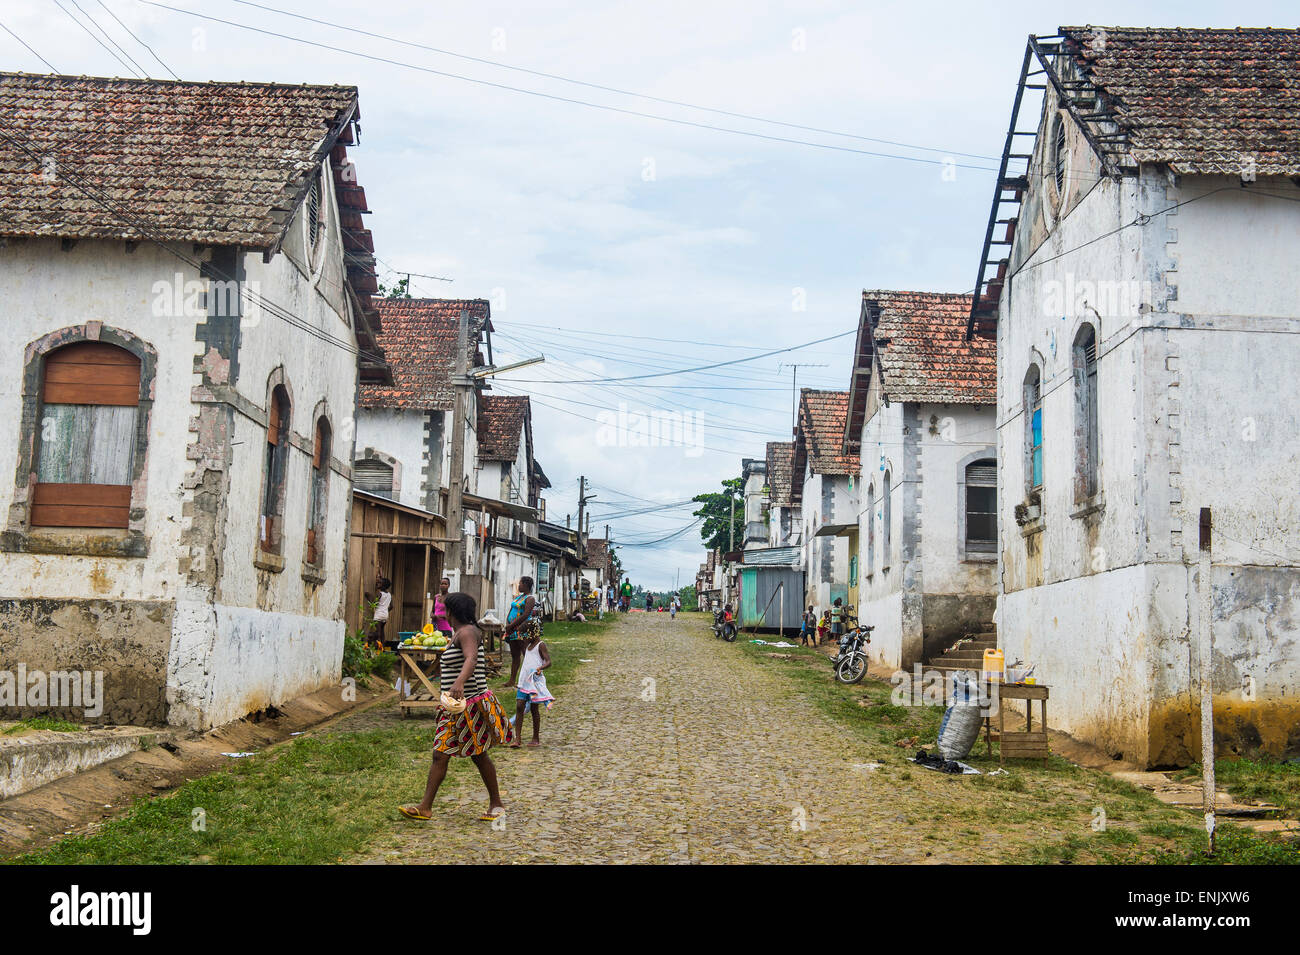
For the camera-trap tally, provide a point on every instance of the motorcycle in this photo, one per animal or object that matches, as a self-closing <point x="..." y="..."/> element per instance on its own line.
<point x="723" y="624"/>
<point x="850" y="663"/>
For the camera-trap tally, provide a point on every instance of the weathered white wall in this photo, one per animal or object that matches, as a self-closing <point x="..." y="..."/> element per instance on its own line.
<point x="401" y="435"/>
<point x="827" y="499"/>
<point x="1198" y="319"/>
<point x="46" y="289"/>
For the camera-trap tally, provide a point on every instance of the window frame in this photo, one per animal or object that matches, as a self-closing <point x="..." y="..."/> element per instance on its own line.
<point x="871" y="530"/>
<point x="1087" y="425"/>
<point x="318" y="491"/>
<point x="887" y="519"/>
<point x="275" y="468"/>
<point x="20" y="535"/>
<point x="973" y="549"/>
<point x="1032" y="407"/>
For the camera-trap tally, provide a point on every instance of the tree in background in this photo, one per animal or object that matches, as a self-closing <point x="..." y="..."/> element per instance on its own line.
<point x="722" y="524"/>
<point x="398" y="289"/>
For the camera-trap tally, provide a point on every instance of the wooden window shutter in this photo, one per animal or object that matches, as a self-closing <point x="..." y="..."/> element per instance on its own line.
<point x="273" y="422"/>
<point x="86" y="453"/>
<point x="91" y="373"/>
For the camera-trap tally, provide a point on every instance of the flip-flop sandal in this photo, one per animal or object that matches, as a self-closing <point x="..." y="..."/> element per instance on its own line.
<point x="533" y="742"/>
<point x="413" y="812"/>
<point x="492" y="815"/>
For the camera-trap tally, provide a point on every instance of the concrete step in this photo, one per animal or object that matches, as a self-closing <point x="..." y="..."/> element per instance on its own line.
<point x="42" y="756"/>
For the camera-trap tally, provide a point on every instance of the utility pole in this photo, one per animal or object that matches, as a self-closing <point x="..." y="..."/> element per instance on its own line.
<point x="582" y="505"/>
<point x="1205" y="650"/>
<point x="731" y="522"/>
<point x="462" y="385"/>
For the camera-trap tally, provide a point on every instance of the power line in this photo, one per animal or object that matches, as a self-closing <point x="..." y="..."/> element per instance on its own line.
<point x="567" y="99"/>
<point x="90" y="34"/>
<point x="719" y="364"/>
<point x="52" y="67"/>
<point x="138" y="40"/>
<point x="116" y="45"/>
<point x="609" y="89"/>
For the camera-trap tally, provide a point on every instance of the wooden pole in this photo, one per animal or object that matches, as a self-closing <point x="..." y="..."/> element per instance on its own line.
<point x="1205" y="645"/>
<point x="456" y="480"/>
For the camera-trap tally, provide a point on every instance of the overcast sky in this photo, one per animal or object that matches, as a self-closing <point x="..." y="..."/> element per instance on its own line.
<point x="622" y="245"/>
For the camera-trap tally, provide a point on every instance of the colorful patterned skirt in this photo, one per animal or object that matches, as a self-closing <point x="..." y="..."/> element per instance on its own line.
<point x="484" y="723"/>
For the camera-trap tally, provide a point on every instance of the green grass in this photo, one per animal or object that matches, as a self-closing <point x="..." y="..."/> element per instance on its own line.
<point x="1051" y="808"/>
<point x="315" y="800"/>
<point x="42" y="723"/>
<point x="1256" y="780"/>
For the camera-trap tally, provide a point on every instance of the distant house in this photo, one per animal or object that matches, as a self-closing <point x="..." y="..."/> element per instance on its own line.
<point x="921" y="418"/>
<point x="1145" y="299"/>
<point x="783" y="519"/>
<point x="186" y="294"/>
<point x="402" y="458"/>
<point x="508" y="472"/>
<point x="754" y="495"/>
<point x="824" y="490"/>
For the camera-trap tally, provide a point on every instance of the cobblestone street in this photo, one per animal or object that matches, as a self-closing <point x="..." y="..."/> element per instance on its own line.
<point x="671" y="746"/>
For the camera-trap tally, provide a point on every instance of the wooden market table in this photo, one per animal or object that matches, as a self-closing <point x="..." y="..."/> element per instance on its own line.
<point x="1021" y="744"/>
<point x="425" y="695"/>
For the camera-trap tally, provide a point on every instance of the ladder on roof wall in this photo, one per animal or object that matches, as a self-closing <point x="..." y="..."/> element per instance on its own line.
<point x="1008" y="197"/>
<point x="1075" y="97"/>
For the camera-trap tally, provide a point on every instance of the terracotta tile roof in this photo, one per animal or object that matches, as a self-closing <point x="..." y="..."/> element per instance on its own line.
<point x="598" y="555"/>
<point x="1198" y="100"/>
<point x="920" y="341"/>
<point x="501" y="421"/>
<point x="780" y="459"/>
<point x="217" y="163"/>
<point x="821" y="436"/>
<point x="419" y="340"/>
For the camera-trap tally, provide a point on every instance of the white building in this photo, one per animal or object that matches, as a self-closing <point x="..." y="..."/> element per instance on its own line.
<point x="508" y="472"/>
<point x="824" y="490"/>
<point x="921" y="417"/>
<point x="754" y="494"/>
<point x="1147" y="316"/>
<point x="179" y="372"/>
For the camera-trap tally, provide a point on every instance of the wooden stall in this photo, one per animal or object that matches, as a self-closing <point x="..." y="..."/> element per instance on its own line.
<point x="404" y="544"/>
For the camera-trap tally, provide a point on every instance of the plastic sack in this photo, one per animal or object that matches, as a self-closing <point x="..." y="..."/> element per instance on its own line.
<point x="961" y="721"/>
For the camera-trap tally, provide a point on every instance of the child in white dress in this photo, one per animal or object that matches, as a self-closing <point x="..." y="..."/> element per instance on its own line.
<point x="531" y="691"/>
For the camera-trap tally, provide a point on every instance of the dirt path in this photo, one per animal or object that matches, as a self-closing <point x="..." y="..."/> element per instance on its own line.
<point x="671" y="746"/>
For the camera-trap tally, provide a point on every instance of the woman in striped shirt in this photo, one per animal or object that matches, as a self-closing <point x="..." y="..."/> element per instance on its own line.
<point x="474" y="730"/>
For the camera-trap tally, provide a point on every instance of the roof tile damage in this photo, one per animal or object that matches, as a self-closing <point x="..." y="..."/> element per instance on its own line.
<point x="1201" y="101"/>
<point x="501" y="421"/>
<point x="419" y="339"/>
<point x="780" y="460"/>
<point x="819" y="442"/>
<point x="217" y="163"/>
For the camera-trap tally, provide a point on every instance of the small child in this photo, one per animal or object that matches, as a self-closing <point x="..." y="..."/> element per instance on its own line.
<point x="809" y="628"/>
<point x="823" y="625"/>
<point x="531" y="690"/>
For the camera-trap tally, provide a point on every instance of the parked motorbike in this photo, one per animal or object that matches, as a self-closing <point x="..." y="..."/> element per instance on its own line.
<point x="724" y="625"/>
<point x="850" y="663"/>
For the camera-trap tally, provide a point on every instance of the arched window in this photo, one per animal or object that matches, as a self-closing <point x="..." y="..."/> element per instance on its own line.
<point x="90" y="395"/>
<point x="886" y="534"/>
<point x="1085" y="413"/>
<point x="320" y="485"/>
<point x="1033" y="409"/>
<point x="270" y="531"/>
<point x="982" y="506"/>
<point x="871" y="529"/>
